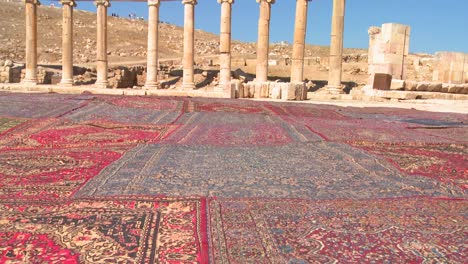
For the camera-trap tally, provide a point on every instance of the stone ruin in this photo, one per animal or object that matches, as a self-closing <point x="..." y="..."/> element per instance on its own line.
<point x="388" y="50"/>
<point x="388" y="61"/>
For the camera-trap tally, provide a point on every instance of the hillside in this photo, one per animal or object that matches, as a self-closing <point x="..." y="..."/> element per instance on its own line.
<point x="127" y="38"/>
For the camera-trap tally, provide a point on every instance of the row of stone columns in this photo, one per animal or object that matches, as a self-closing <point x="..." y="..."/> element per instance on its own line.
<point x="297" y="68"/>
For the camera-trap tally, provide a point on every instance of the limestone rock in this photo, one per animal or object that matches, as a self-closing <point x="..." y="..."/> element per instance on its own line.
<point x="397" y="84"/>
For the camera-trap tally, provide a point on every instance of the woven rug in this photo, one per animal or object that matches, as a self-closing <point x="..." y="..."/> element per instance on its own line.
<point x="50" y="174"/>
<point x="228" y="106"/>
<point x="7" y="123"/>
<point x="400" y="230"/>
<point x="316" y="170"/>
<point x="55" y="133"/>
<point x="119" y="179"/>
<point x="132" y="113"/>
<point x="38" y="105"/>
<point x="234" y="129"/>
<point x="447" y="163"/>
<point x="351" y="130"/>
<point x="117" y="230"/>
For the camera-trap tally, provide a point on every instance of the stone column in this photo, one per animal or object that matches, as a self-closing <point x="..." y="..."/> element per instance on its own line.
<point x="225" y="46"/>
<point x="189" y="38"/>
<point x="263" y="41"/>
<point x="297" y="67"/>
<point x="336" y="47"/>
<point x="101" y="53"/>
<point x="31" y="41"/>
<point x="152" y="63"/>
<point x="67" y="42"/>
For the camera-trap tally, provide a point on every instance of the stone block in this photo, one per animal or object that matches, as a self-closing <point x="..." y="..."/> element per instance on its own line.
<point x="435" y="87"/>
<point x="422" y="86"/>
<point x="275" y="91"/>
<point x="397" y="84"/>
<point x="411" y="85"/>
<point x="382" y="81"/>
<point x="456" y="88"/>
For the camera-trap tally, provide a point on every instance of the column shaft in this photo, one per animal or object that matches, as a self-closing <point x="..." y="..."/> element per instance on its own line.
<point x="67" y="43"/>
<point x="297" y="67"/>
<point x="101" y="53"/>
<point x="263" y="40"/>
<point x="225" y="46"/>
<point x="31" y="41"/>
<point x="189" y="38"/>
<point x="153" y="33"/>
<point x="336" y="47"/>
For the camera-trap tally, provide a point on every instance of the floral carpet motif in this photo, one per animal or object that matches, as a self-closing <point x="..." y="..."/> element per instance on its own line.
<point x="445" y="162"/>
<point x="117" y="230"/>
<point x="55" y="134"/>
<point x="121" y="179"/>
<point x="272" y="171"/>
<point x="50" y="174"/>
<point x="400" y="230"/>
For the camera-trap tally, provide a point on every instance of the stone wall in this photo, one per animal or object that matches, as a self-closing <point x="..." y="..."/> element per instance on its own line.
<point x="44" y="76"/>
<point x="9" y="72"/>
<point x="388" y="50"/>
<point x="273" y="90"/>
<point x="450" y="67"/>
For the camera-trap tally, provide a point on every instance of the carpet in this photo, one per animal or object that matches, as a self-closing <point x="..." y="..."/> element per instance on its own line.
<point x="50" y="174"/>
<point x="38" y="105"/>
<point x="315" y="170"/>
<point x="7" y="123"/>
<point x="59" y="133"/>
<point x="351" y="130"/>
<point x="228" y="106"/>
<point x="131" y="113"/>
<point x="399" y="230"/>
<point x="447" y="163"/>
<point x="121" y="179"/>
<point x="235" y="129"/>
<point x="117" y="230"/>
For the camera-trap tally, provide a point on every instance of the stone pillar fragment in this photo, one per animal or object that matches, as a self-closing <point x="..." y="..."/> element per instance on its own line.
<point x="450" y="67"/>
<point x="101" y="53"/>
<point x="152" y="63"/>
<point x="388" y="50"/>
<point x="31" y="41"/>
<point x="336" y="47"/>
<point x="300" y="28"/>
<point x="225" y="46"/>
<point x="263" y="41"/>
<point x="189" y="40"/>
<point x="67" y="42"/>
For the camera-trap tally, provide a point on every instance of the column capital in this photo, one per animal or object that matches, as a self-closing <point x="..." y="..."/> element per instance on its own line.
<point x="189" y="2"/>
<point x="154" y="2"/>
<point x="226" y="1"/>
<point x="35" y="2"/>
<point x="105" y="3"/>
<point x="68" y="2"/>
<point x="268" y="1"/>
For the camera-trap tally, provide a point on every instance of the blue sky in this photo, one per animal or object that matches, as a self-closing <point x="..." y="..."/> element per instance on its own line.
<point x="436" y="25"/>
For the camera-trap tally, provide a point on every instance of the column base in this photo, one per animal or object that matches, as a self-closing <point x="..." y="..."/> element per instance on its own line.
<point x="151" y="85"/>
<point x="333" y="89"/>
<point x="188" y="86"/>
<point x="102" y="84"/>
<point x="66" y="82"/>
<point x="222" y="87"/>
<point x="29" y="82"/>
